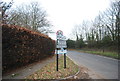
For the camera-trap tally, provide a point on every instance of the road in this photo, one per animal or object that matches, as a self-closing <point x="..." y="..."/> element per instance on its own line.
<point x="106" y="68"/>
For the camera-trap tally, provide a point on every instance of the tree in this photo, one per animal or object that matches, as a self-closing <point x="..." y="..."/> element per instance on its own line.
<point x="80" y="43"/>
<point x="102" y="31"/>
<point x="3" y="8"/>
<point x="70" y="43"/>
<point x="106" y="41"/>
<point x="112" y="18"/>
<point x="31" y="16"/>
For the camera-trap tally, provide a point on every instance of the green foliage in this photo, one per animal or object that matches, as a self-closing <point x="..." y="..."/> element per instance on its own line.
<point x="80" y="43"/>
<point x="98" y="33"/>
<point x="75" y="44"/>
<point x="108" y="54"/>
<point x="106" y="41"/>
<point x="70" y="43"/>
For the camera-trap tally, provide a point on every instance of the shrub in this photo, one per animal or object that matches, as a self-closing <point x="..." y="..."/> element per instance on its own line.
<point x="21" y="46"/>
<point x="70" y="43"/>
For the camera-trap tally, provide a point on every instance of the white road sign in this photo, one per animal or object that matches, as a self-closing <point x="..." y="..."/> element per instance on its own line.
<point x="61" y="43"/>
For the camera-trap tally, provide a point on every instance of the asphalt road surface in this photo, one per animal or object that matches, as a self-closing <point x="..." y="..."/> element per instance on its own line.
<point x="106" y="68"/>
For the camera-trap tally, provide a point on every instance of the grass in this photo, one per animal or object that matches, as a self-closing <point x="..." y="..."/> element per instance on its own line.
<point x="106" y="53"/>
<point x="49" y="71"/>
<point x="14" y="75"/>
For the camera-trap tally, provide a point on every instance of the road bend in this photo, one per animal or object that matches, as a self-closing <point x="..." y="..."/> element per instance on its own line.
<point x="106" y="68"/>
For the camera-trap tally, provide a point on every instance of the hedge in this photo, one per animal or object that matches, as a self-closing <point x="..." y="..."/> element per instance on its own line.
<point x="21" y="46"/>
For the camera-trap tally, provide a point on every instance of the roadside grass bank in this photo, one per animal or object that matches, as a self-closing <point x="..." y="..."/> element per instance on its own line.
<point x="98" y="52"/>
<point x="49" y="71"/>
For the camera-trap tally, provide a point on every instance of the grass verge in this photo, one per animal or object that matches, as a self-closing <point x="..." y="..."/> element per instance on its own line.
<point x="108" y="54"/>
<point x="49" y="71"/>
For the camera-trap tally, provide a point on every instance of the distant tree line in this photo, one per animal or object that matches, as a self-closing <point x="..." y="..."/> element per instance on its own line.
<point x="104" y="31"/>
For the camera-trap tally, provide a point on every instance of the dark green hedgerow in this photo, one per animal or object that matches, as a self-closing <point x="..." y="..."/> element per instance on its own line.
<point x="21" y="46"/>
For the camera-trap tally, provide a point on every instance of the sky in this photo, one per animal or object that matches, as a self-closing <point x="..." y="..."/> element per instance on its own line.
<point x="65" y="14"/>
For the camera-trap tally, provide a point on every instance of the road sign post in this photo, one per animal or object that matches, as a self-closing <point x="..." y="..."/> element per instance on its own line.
<point x="57" y="63"/>
<point x="60" y="47"/>
<point x="64" y="60"/>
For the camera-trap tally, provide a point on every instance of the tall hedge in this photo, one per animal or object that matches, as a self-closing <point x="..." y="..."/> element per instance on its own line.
<point x="21" y="46"/>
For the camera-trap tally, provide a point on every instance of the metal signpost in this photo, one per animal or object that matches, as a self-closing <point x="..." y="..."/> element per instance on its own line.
<point x="61" y="47"/>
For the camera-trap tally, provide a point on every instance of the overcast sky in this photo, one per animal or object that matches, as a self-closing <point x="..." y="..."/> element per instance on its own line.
<point x="65" y="14"/>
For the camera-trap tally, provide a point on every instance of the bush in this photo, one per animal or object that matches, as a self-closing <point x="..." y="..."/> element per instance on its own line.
<point x="21" y="46"/>
<point x="80" y="43"/>
<point x="70" y="43"/>
<point x="107" y="41"/>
